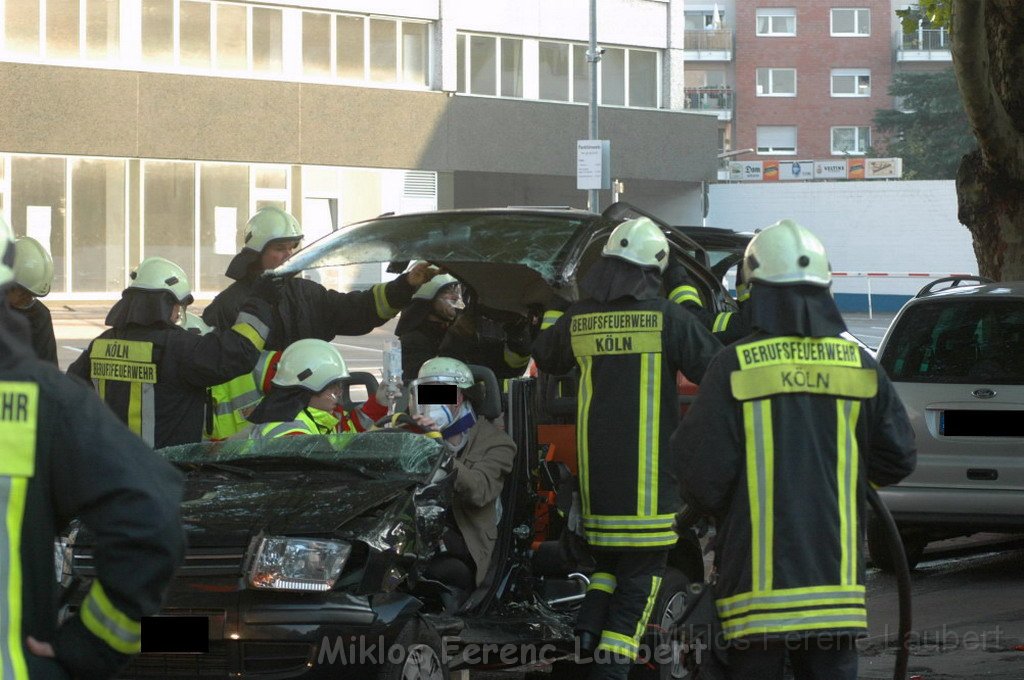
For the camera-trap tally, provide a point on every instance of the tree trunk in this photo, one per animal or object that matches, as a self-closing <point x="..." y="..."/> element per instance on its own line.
<point x="988" y="57"/>
<point x="991" y="206"/>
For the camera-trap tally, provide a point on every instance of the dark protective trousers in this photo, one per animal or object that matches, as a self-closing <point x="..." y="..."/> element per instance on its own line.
<point x="813" y="658"/>
<point x="618" y="604"/>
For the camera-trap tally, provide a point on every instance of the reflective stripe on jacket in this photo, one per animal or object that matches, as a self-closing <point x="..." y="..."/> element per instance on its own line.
<point x="308" y="421"/>
<point x="234" y="400"/>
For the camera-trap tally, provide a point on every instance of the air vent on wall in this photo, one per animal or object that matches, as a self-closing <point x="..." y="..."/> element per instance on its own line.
<point x="420" y="184"/>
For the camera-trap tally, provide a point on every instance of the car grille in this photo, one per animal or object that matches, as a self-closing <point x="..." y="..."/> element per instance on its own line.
<point x="213" y="664"/>
<point x="198" y="562"/>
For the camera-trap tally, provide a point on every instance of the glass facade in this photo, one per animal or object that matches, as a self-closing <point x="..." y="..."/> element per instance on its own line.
<point x="99" y="217"/>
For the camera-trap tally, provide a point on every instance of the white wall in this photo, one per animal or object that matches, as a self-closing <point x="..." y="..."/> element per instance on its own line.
<point x="873" y="226"/>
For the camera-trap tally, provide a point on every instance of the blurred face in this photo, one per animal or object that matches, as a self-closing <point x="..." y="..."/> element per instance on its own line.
<point x="277" y="253"/>
<point x="176" y="312"/>
<point x="448" y="303"/>
<point x="19" y="298"/>
<point x="327" y="399"/>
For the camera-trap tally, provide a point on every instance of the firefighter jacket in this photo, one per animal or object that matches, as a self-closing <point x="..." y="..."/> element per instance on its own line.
<point x="628" y="352"/>
<point x="308" y="310"/>
<point x="155" y="378"/>
<point x="309" y="420"/>
<point x="419" y="343"/>
<point x="730" y="327"/>
<point x="41" y="325"/>
<point x="232" y="402"/>
<point x="66" y="456"/>
<point x="778" y="446"/>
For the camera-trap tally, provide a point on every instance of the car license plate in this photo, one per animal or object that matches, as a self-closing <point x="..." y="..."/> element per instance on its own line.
<point x="963" y="423"/>
<point x="175" y="635"/>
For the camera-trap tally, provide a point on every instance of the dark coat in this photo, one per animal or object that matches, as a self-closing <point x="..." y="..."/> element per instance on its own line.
<point x="41" y="325"/>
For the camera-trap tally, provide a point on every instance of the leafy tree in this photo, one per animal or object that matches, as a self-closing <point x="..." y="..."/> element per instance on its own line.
<point x="988" y="58"/>
<point x="931" y="134"/>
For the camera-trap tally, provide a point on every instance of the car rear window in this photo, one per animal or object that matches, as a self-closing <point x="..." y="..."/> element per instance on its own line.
<point x="962" y="341"/>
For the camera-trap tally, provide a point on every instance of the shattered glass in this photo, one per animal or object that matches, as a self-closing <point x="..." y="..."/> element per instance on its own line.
<point x="375" y="454"/>
<point x="531" y="239"/>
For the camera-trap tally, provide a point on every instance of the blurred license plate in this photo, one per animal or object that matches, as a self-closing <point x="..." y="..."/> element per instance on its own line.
<point x="175" y="635"/>
<point x="982" y="424"/>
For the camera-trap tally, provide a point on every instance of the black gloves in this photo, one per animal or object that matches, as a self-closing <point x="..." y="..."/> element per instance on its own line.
<point x="675" y="275"/>
<point x="268" y="288"/>
<point x="518" y="336"/>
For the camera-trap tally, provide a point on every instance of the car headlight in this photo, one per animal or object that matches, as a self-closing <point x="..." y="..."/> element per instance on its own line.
<point x="298" y="563"/>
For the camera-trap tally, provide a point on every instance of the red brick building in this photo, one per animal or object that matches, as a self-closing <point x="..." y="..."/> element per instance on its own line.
<point x="810" y="75"/>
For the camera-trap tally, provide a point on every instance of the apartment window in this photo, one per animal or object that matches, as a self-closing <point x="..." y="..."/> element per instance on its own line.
<point x="194" y="34"/>
<point x="316" y="44"/>
<point x="850" y="22"/>
<point x="643" y="78"/>
<point x="383" y="50"/>
<point x="266" y="40"/>
<point x="351" y="40"/>
<point x="776" y="139"/>
<point x="776" y="82"/>
<point x="775" y="21"/>
<point x="232" y="38"/>
<point x="415" y="52"/>
<point x="554" y="71"/>
<point x="21" y="26"/>
<point x="158" y="31"/>
<point x="851" y="140"/>
<point x="581" y="74"/>
<point x="491" y="65"/>
<point x="62" y="22"/>
<point x="102" y="29"/>
<point x="851" y="83"/>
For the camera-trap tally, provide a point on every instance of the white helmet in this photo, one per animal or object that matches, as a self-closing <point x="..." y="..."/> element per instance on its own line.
<point x="786" y="254"/>
<point x="311" y="364"/>
<point x="33" y="266"/>
<point x="158" y="273"/>
<point x="6" y="253"/>
<point x="445" y="371"/>
<point x="194" y="322"/>
<point x="270" y="223"/>
<point x="432" y="287"/>
<point x="639" y="241"/>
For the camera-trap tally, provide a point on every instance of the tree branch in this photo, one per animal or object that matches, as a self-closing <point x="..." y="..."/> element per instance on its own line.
<point x="1002" y="147"/>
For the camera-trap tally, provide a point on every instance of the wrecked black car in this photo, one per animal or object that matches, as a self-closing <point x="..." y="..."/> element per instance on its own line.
<point x="307" y="556"/>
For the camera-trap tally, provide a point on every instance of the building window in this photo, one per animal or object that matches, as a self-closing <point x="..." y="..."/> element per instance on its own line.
<point x="415" y="47"/>
<point x="351" y="41"/>
<point x="223" y="212"/>
<point x="851" y="140"/>
<point x="194" y="34"/>
<point x="62" y="24"/>
<point x="102" y="29"/>
<point x="158" y="31"/>
<point x="38" y="206"/>
<point x="97" y="224"/>
<point x="851" y="22"/>
<point x="21" y="26"/>
<point x="643" y="78"/>
<point x="359" y="48"/>
<point x="776" y="139"/>
<point x="489" y="64"/>
<point x="232" y="38"/>
<point x="266" y="40"/>
<point x="851" y="83"/>
<point x="383" y="50"/>
<point x="775" y="21"/>
<point x="776" y="82"/>
<point x="554" y="71"/>
<point x="316" y="44"/>
<point x="168" y="215"/>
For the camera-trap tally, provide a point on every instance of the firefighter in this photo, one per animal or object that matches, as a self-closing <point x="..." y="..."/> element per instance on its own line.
<point x="65" y="455"/>
<point x="787" y="429"/>
<point x="629" y="342"/>
<point x="729" y="327"/>
<point x="422" y="325"/>
<point x="306" y="309"/>
<point x="305" y="392"/>
<point x="33" y="276"/>
<point x="154" y="373"/>
<point x="494" y="338"/>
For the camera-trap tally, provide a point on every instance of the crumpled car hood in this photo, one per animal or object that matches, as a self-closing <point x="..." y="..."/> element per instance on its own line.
<point x="218" y="512"/>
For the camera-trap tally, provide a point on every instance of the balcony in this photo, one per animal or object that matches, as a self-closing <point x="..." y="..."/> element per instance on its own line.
<point x="924" y="44"/>
<point x="708" y="45"/>
<point x="717" y="100"/>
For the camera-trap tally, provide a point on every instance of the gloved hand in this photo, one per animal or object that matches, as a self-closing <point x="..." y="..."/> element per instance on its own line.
<point x="518" y="337"/>
<point x="268" y="288"/>
<point x="675" y="275"/>
<point x="420" y="273"/>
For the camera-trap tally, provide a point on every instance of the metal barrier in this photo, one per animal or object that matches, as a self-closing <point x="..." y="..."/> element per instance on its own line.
<point x="890" y="275"/>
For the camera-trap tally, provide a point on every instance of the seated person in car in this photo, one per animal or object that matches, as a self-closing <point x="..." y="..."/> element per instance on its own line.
<point x="304" y="395"/>
<point x="482" y="455"/>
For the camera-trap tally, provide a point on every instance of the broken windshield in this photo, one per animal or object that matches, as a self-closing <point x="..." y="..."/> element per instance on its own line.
<point x="532" y="239"/>
<point x="374" y="454"/>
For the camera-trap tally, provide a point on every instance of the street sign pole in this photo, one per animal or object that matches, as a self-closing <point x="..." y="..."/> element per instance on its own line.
<point x="593" y="195"/>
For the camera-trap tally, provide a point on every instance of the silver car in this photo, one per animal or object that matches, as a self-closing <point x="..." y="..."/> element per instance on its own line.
<point x="956" y="357"/>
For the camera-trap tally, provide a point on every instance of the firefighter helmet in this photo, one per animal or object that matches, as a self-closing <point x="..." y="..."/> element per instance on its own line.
<point x="269" y="224"/>
<point x="639" y="241"/>
<point x="158" y="273"/>
<point x="430" y="289"/>
<point x="786" y="254"/>
<point x="194" y="322"/>
<point x="445" y="371"/>
<point x="33" y="266"/>
<point x="312" y="364"/>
